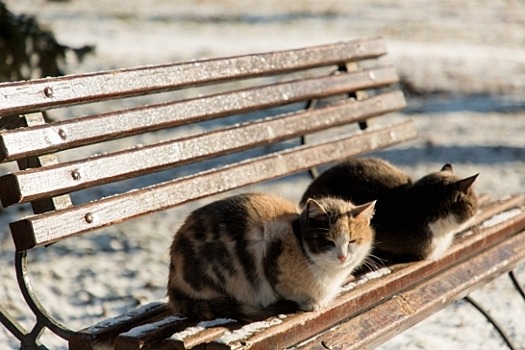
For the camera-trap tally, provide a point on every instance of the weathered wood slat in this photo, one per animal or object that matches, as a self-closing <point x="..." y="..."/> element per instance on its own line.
<point x="175" y="341"/>
<point x="19" y="143"/>
<point x="176" y="335"/>
<point x="48" y="93"/>
<point x="102" y="335"/>
<point x="140" y="336"/>
<point x="48" y="228"/>
<point x="30" y="121"/>
<point x="388" y="319"/>
<point x="25" y="186"/>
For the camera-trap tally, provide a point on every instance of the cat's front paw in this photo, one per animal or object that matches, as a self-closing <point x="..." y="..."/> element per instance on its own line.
<point x="310" y="306"/>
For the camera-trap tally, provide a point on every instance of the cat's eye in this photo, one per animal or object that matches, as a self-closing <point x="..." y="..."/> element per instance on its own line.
<point x="352" y="241"/>
<point x="329" y="242"/>
<point x="458" y="197"/>
<point x="323" y="225"/>
<point x="324" y="241"/>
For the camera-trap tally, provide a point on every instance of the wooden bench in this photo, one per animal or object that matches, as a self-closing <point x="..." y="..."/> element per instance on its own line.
<point x="275" y="114"/>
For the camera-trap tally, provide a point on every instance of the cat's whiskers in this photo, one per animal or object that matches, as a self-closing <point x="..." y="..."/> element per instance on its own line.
<point x="373" y="262"/>
<point x="476" y="228"/>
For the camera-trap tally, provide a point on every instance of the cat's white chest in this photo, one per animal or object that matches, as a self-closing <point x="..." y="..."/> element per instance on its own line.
<point x="444" y="226"/>
<point x="443" y="231"/>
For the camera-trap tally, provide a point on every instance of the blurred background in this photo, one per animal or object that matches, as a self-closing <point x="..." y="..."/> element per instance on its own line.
<point x="462" y="65"/>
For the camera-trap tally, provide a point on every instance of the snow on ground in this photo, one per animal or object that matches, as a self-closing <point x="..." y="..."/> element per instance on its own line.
<point x="465" y="59"/>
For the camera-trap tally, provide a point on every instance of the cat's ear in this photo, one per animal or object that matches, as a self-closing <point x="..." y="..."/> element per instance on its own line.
<point x="447" y="167"/>
<point x="365" y="211"/>
<point x="314" y="209"/>
<point x="464" y="184"/>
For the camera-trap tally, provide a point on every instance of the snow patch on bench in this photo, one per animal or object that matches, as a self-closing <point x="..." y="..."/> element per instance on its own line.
<point x="201" y="326"/>
<point x="501" y="217"/>
<point x="245" y="331"/>
<point x="365" y="278"/>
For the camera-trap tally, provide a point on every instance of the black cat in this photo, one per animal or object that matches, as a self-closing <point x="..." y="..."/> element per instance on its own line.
<point x="412" y="220"/>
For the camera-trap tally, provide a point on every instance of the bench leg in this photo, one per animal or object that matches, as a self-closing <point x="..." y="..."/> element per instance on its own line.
<point x="492" y="321"/>
<point x="30" y="340"/>
<point x="517" y="284"/>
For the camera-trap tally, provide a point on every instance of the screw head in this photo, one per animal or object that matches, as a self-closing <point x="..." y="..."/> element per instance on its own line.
<point x="89" y="218"/>
<point x="75" y="174"/>
<point x="48" y="91"/>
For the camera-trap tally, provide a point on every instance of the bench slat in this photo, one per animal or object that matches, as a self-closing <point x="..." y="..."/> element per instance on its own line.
<point x="386" y="320"/>
<point x="188" y="342"/>
<point x="25" y="186"/>
<point x="19" y="143"/>
<point x="137" y="337"/>
<point x="102" y="334"/>
<point x="68" y="90"/>
<point x="180" y="334"/>
<point x="48" y="228"/>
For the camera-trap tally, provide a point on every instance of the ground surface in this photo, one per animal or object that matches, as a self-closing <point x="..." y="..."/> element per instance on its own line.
<point x="464" y="59"/>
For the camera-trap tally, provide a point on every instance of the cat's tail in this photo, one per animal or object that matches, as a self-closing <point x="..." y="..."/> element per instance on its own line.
<point x="229" y="308"/>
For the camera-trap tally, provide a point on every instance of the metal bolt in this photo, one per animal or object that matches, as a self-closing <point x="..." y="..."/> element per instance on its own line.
<point x="371" y="75"/>
<point x="48" y="91"/>
<point x="379" y="104"/>
<point x="75" y="175"/>
<point x="89" y="218"/>
<point x="62" y="134"/>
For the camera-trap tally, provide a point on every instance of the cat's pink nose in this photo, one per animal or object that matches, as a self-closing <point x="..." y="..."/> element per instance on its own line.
<point x="341" y="258"/>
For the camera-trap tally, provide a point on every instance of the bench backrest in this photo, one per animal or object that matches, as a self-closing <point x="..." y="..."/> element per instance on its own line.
<point x="262" y="106"/>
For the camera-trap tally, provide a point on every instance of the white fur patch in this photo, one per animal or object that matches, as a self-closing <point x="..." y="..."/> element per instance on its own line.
<point x="332" y="273"/>
<point x="259" y="240"/>
<point x="444" y="226"/>
<point x="443" y="231"/>
<point x="341" y="246"/>
<point x="440" y="245"/>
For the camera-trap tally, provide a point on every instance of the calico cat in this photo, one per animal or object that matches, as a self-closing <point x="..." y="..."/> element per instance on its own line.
<point x="254" y="255"/>
<point x="412" y="220"/>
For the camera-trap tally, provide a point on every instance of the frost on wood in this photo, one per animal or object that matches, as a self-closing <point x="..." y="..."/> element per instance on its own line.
<point x="246" y="331"/>
<point x="147" y="328"/>
<point x="125" y="317"/>
<point x="365" y="278"/>
<point x="502" y="217"/>
<point x="190" y="331"/>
